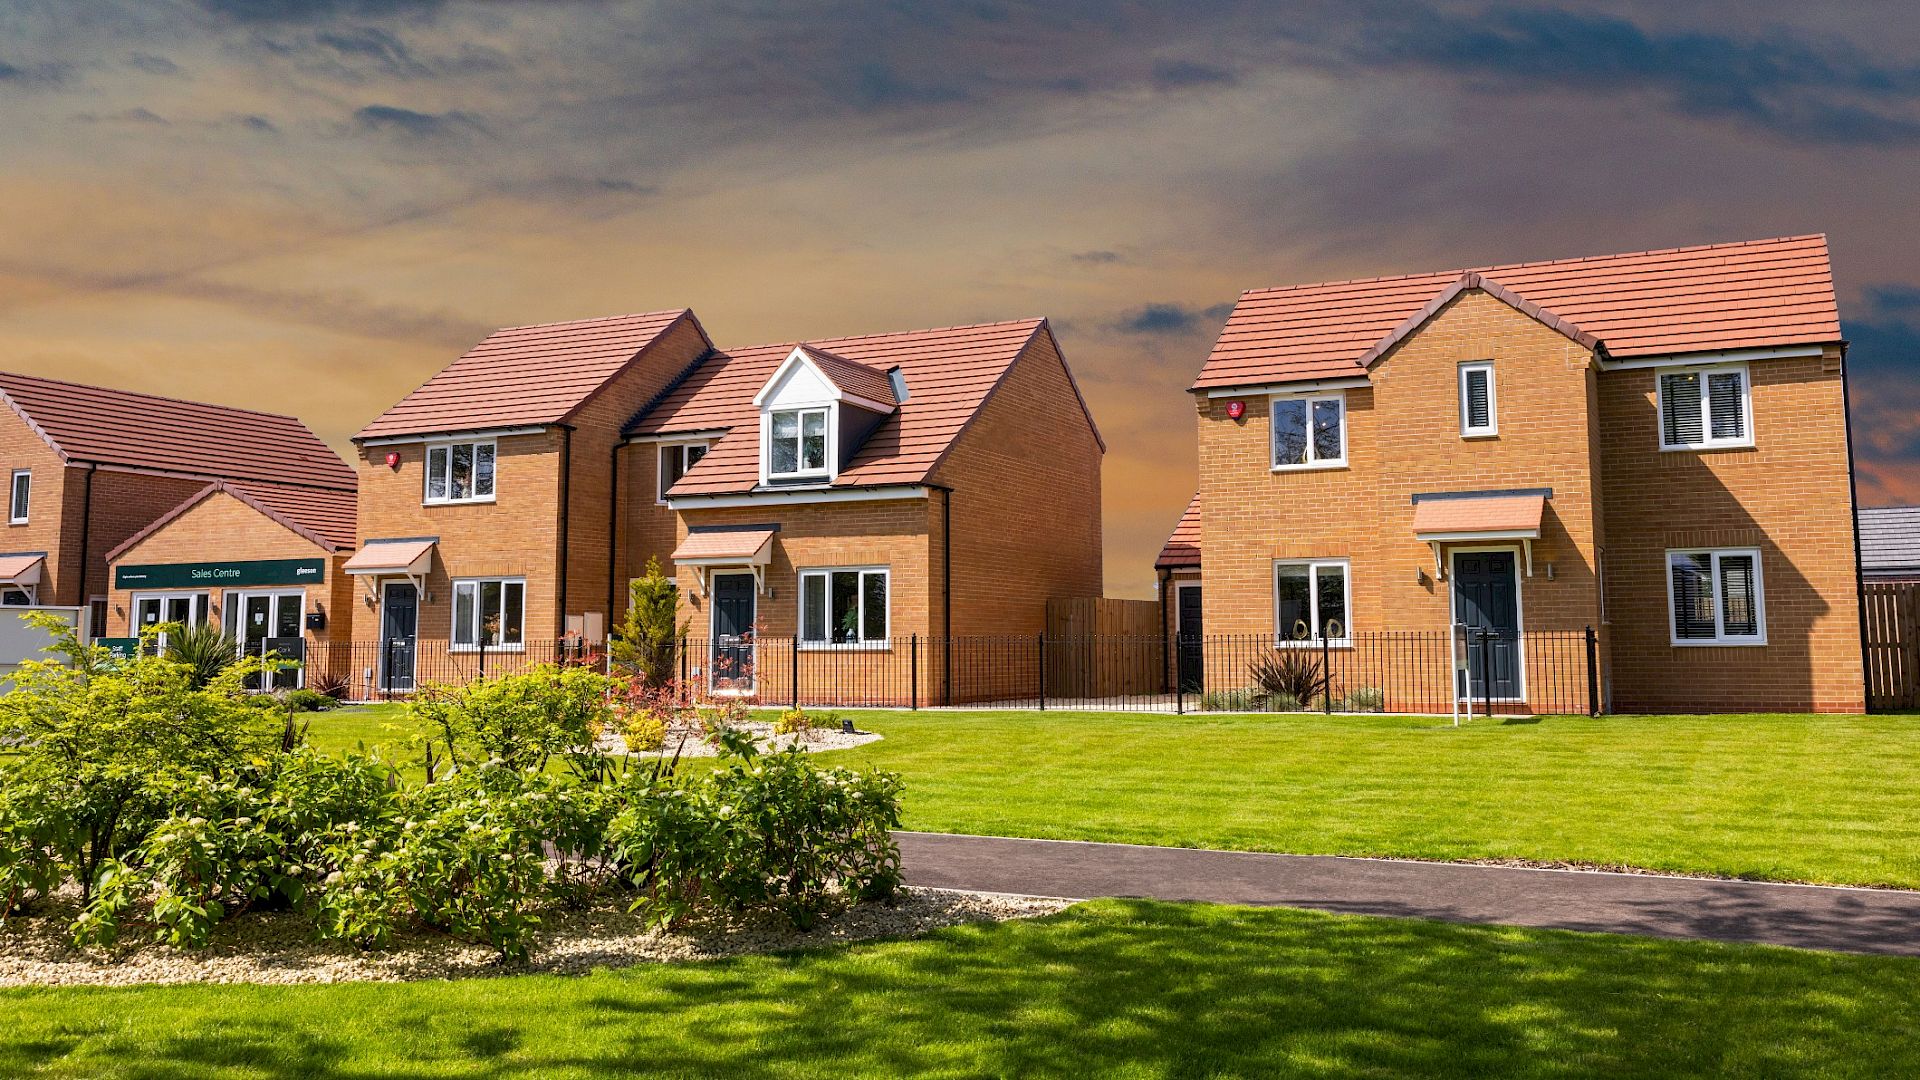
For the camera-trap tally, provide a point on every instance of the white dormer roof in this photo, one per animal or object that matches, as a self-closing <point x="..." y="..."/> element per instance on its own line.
<point x="813" y="377"/>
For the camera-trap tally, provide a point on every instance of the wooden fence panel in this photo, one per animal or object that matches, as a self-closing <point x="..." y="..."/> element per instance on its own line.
<point x="1099" y="646"/>
<point x="1893" y="645"/>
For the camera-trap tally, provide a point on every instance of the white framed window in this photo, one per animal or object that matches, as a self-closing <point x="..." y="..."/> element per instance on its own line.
<point x="1309" y="432"/>
<point x="1702" y="408"/>
<point x="490" y="612"/>
<point x="676" y="461"/>
<point x="460" y="472"/>
<point x="159" y="609"/>
<point x="1478" y="411"/>
<point x="1715" y="597"/>
<point x="21" y="496"/>
<point x="1311" y="600"/>
<point x="798" y="442"/>
<point x="844" y="606"/>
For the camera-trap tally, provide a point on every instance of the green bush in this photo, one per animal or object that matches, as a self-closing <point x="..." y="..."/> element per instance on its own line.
<point x="647" y="639"/>
<point x="1365" y="699"/>
<point x="309" y="701"/>
<point x="521" y="721"/>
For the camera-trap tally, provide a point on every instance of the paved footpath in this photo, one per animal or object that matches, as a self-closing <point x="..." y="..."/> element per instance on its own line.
<point x="1807" y="916"/>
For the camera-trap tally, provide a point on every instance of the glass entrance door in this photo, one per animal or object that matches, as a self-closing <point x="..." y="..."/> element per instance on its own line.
<point x="269" y="622"/>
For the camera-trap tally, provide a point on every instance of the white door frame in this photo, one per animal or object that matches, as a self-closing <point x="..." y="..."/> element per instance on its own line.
<point x="1519" y="612"/>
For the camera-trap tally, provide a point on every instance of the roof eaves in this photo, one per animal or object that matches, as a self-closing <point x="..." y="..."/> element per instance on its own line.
<point x="65" y="458"/>
<point x="1465" y="283"/>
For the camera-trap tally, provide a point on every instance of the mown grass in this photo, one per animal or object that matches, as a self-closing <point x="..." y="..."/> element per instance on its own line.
<point x="1832" y="799"/>
<point x="1110" y="988"/>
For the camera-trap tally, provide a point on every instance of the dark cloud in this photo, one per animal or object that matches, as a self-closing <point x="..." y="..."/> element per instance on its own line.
<point x="390" y="119"/>
<point x="1097" y="258"/>
<point x="878" y="85"/>
<point x="1804" y="89"/>
<point x="153" y="64"/>
<point x="356" y="53"/>
<point x="43" y="74"/>
<point x="1184" y="74"/>
<point x="257" y="123"/>
<point x="311" y="11"/>
<point x="1171" y="318"/>
<point x="129" y="116"/>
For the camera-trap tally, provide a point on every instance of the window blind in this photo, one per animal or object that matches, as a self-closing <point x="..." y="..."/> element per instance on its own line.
<point x="1724" y="394"/>
<point x="1693" y="597"/>
<point x="1478" y="405"/>
<point x="1680" y="400"/>
<point x="1737" y="610"/>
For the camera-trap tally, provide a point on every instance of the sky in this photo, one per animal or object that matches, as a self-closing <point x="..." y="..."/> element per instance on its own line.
<point x="309" y="206"/>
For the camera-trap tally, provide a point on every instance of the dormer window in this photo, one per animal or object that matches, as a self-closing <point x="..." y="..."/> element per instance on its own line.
<point x="797" y="442"/>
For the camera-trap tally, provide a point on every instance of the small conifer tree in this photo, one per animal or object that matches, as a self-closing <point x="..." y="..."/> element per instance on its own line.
<point x="650" y="634"/>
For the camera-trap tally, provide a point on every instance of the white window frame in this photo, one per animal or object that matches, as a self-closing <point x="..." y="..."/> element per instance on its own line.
<point x="1313" y="567"/>
<point x="885" y="641"/>
<point x="1707" y="441"/>
<point x="1467" y="430"/>
<point x="426" y="472"/>
<point x="830" y="415"/>
<point x="1338" y="397"/>
<point x="660" y="465"/>
<point x="1720" y="636"/>
<point x="16" y="513"/>
<point x="202" y="606"/>
<point x="454" y="645"/>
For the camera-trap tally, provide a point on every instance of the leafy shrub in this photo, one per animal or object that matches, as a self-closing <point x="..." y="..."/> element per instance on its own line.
<point x="304" y="700"/>
<point x="763" y="833"/>
<point x="1366" y="699"/>
<point x="206" y="650"/>
<point x="793" y="721"/>
<point x="648" y="638"/>
<point x="1245" y="699"/>
<point x="1283" y="674"/>
<point x="521" y="721"/>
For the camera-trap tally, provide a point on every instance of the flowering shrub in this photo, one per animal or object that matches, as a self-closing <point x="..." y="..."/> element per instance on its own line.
<point x="794" y="721"/>
<point x="521" y="721"/>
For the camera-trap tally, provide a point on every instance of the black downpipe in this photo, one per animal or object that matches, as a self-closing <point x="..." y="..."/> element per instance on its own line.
<point x="946" y="571"/>
<point x="1853" y="499"/>
<point x="1166" y="628"/>
<point x="566" y="514"/>
<point x="613" y="527"/>
<point x="87" y="521"/>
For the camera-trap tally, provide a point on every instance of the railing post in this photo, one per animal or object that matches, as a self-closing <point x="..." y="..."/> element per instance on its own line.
<point x="794" y="652"/>
<point x="1043" y="672"/>
<point x="1179" y="690"/>
<point x="1326" y="674"/>
<point x="1593" y="673"/>
<point x="913" y="675"/>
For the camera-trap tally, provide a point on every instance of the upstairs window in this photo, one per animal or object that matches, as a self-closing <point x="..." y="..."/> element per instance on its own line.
<point x="797" y="442"/>
<point x="1704" y="408"/>
<point x="1477" y="416"/>
<point x="843" y="607"/>
<point x="22" y="495"/>
<point x="1715" y="597"/>
<point x="677" y="461"/>
<point x="1310" y="601"/>
<point x="1309" y="432"/>
<point x="460" y="472"/>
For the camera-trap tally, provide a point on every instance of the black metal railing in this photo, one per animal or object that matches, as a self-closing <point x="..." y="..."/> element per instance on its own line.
<point x="1485" y="673"/>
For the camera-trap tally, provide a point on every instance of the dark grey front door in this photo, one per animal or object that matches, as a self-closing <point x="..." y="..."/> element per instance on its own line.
<point x="399" y="618"/>
<point x="1486" y="600"/>
<point x="1192" y="649"/>
<point x="733" y="601"/>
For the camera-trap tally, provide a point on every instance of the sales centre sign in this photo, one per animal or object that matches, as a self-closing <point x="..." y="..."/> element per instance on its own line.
<point x="203" y="575"/>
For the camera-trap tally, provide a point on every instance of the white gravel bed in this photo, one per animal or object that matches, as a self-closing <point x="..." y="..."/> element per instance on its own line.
<point x="275" y="948"/>
<point x="694" y="743"/>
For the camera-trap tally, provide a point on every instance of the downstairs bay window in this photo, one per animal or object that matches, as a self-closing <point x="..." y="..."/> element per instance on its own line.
<point x="844" y="607"/>
<point x="1714" y="597"/>
<point x="1311" y="598"/>
<point x="489" y="612"/>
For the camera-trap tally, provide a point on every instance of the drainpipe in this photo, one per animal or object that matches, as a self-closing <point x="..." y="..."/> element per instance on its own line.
<point x="946" y="573"/>
<point x="613" y="526"/>
<point x="566" y="514"/>
<point x="1853" y="505"/>
<point x="86" y="522"/>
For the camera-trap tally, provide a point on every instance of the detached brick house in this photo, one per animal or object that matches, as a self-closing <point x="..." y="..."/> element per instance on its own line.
<point x="89" y="469"/>
<point x="1652" y="444"/>
<point x="849" y="493"/>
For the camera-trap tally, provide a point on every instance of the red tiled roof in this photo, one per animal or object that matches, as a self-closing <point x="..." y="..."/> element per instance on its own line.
<point x="712" y="544"/>
<point x="854" y="377"/>
<point x="1649" y="303"/>
<point x="117" y="427"/>
<point x="323" y="516"/>
<point x="948" y="373"/>
<point x="524" y="375"/>
<point x="390" y="556"/>
<point x="1182" y="549"/>
<point x="1479" y="514"/>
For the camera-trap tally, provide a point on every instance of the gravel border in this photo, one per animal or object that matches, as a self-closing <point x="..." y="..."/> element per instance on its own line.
<point x="279" y="949"/>
<point x="694" y="743"/>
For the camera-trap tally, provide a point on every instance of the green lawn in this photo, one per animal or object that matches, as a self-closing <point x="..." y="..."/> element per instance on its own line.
<point x="1111" y="988"/>
<point x="1797" y="798"/>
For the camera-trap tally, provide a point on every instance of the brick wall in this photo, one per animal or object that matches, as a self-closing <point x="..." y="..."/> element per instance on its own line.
<point x="223" y="527"/>
<point x="1789" y="495"/>
<point x="47" y="528"/>
<point x="1403" y="438"/>
<point x="123" y="504"/>
<point x="1025" y="477"/>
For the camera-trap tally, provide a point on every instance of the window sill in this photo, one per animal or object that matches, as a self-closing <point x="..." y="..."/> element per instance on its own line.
<point x="1707" y="448"/>
<point x="1312" y="466"/>
<point x="471" y="649"/>
<point x="16" y="521"/>
<point x="851" y="646"/>
<point x="457" y="502"/>
<point x="1480" y="434"/>
<point x="1313" y="643"/>
<point x="1719" y="643"/>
